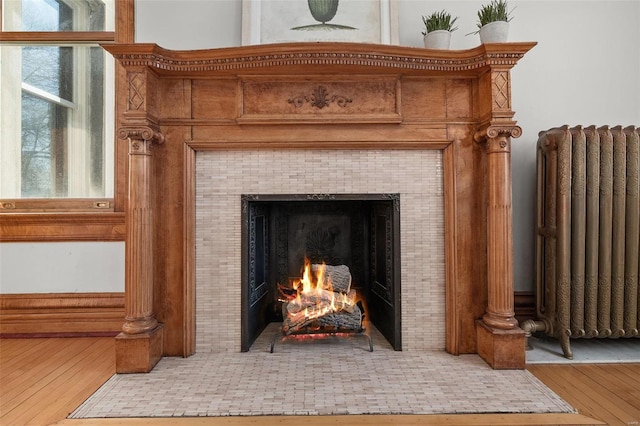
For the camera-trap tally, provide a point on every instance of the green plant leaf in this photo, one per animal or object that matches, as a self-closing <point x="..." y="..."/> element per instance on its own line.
<point x="439" y="21"/>
<point x="496" y="10"/>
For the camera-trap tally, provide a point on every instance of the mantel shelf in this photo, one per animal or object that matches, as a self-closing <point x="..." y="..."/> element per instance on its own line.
<point x="288" y="58"/>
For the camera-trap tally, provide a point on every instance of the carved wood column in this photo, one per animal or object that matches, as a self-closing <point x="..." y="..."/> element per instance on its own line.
<point x="500" y="342"/>
<point x="139" y="317"/>
<point x="500" y="308"/>
<point x="139" y="347"/>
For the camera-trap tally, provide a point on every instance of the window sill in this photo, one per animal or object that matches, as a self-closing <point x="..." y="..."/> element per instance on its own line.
<point x="55" y="205"/>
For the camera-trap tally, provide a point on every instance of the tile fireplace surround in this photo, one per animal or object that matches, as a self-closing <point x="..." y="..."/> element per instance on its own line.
<point x="221" y="178"/>
<point x="434" y="126"/>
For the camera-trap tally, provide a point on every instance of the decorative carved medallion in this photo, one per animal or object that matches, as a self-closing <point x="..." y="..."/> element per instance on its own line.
<point x="320" y="98"/>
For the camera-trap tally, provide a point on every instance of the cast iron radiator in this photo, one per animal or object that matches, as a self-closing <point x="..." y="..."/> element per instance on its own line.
<point x="588" y="234"/>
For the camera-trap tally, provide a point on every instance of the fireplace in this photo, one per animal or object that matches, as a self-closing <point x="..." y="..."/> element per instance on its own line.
<point x="194" y="124"/>
<point x="359" y="232"/>
<point x="410" y="183"/>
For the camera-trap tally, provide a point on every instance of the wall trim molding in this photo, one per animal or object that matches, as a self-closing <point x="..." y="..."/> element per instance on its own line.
<point x="71" y="226"/>
<point x="61" y="314"/>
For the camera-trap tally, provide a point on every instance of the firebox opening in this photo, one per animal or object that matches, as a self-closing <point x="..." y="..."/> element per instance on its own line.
<point x="360" y="231"/>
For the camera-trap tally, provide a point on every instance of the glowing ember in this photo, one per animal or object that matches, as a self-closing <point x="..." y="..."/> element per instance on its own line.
<point x="322" y="301"/>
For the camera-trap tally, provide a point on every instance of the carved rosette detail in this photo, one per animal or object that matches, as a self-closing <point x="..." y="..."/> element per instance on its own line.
<point x="319" y="98"/>
<point x="499" y="144"/>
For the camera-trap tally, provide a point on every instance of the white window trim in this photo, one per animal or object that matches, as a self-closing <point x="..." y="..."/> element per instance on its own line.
<point x="78" y="150"/>
<point x="39" y="93"/>
<point x="10" y="94"/>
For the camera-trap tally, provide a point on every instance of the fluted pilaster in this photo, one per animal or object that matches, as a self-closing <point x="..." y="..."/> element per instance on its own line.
<point x="500" y="307"/>
<point x="139" y="316"/>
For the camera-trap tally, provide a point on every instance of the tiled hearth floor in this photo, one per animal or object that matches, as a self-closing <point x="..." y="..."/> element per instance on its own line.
<point x="335" y="376"/>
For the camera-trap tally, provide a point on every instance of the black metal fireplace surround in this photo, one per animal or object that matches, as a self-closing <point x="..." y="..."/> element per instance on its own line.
<point x="361" y="231"/>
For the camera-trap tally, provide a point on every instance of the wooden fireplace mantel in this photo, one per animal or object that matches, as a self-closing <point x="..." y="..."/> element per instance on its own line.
<point x="325" y="57"/>
<point x="282" y="96"/>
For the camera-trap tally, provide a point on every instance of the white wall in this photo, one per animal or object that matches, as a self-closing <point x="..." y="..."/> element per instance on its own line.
<point x="584" y="70"/>
<point x="61" y="267"/>
<point x="193" y="24"/>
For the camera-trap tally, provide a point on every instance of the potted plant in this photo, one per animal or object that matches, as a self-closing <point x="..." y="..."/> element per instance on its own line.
<point x="493" y="22"/>
<point x="438" y="29"/>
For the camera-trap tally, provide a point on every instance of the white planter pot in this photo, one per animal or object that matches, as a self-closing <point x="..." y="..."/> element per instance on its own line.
<point x="494" y="32"/>
<point x="440" y="39"/>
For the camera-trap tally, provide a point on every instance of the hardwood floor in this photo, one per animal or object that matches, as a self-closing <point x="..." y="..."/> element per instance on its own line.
<point x="608" y="392"/>
<point x="43" y="380"/>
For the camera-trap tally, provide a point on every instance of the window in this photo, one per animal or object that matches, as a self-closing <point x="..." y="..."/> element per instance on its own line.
<point x="56" y="102"/>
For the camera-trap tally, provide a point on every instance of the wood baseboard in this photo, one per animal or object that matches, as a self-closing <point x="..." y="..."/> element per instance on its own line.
<point x="102" y="314"/>
<point x="61" y="314"/>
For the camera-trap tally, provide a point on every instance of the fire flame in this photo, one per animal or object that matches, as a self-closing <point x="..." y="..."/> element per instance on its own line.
<point x="315" y="296"/>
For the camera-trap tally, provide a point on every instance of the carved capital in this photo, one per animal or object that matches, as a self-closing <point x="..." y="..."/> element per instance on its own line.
<point x="141" y="133"/>
<point x="494" y="131"/>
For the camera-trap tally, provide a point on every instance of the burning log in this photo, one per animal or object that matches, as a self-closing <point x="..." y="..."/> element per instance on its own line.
<point x="336" y="322"/>
<point x="323" y="302"/>
<point x="339" y="276"/>
<point x="320" y="299"/>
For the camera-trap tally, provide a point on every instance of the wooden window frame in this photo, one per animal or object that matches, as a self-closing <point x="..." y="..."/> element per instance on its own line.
<point x="73" y="219"/>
